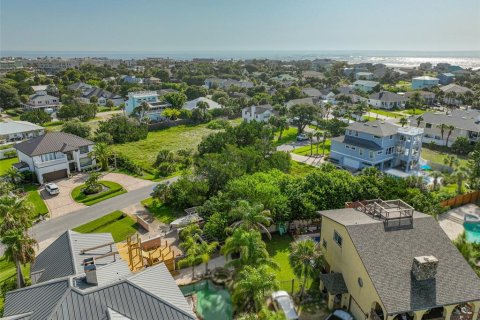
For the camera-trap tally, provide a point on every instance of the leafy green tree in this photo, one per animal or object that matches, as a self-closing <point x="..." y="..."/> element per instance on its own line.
<point x="77" y="128"/>
<point x="36" y="116"/>
<point x="303" y="114"/>
<point x="202" y="106"/>
<point x="451" y="161"/>
<point x="19" y="248"/>
<point x="450" y="129"/>
<point x="13" y="176"/>
<point x="8" y="96"/>
<point x="462" y="145"/>
<point x="250" y="248"/>
<point x="255" y="283"/>
<point x="460" y="175"/>
<point x="416" y="101"/>
<point x="123" y="129"/>
<point x="419" y="120"/>
<point x="474" y="167"/>
<point x="251" y="217"/>
<point x="306" y="259"/>
<point x="141" y="110"/>
<point x="194" y="92"/>
<point x="101" y="152"/>
<point x="171" y="113"/>
<point x="103" y="137"/>
<point x="403" y="121"/>
<point x="176" y="99"/>
<point x="15" y="213"/>
<point x="163" y="75"/>
<point x="110" y="104"/>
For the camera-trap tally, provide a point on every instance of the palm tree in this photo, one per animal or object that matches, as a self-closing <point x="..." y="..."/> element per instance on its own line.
<point x="450" y="96"/>
<point x="251" y="217"/>
<point x="450" y="129"/>
<point x="101" y="153"/>
<point x="203" y="106"/>
<point x="403" y="121"/>
<point x="326" y="134"/>
<point x="419" y="120"/>
<point x="141" y="110"/>
<point x="460" y="175"/>
<point x="197" y="251"/>
<point x="318" y="134"/>
<point x="327" y="107"/>
<point x="249" y="246"/>
<point x="253" y="286"/>
<point x="436" y="175"/>
<point x="14" y="213"/>
<point x="19" y="248"/>
<point x="310" y="136"/>
<point x="281" y="123"/>
<point x="13" y="176"/>
<point x="360" y="109"/>
<point x="442" y="128"/>
<point x="306" y="259"/>
<point x="416" y="101"/>
<point x="205" y="251"/>
<point x="451" y="161"/>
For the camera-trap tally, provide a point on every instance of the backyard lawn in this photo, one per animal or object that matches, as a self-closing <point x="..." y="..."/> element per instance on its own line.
<point x="6" y="164"/>
<point x="438" y="156"/>
<point x="288" y="136"/>
<point x="386" y="113"/>
<point x="144" y="152"/>
<point x="117" y="223"/>
<point x="160" y="211"/>
<point x="114" y="189"/>
<point x="7" y="272"/>
<point x="305" y="150"/>
<point x="34" y="197"/>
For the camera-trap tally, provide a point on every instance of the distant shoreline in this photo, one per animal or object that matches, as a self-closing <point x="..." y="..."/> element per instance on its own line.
<point x="465" y="59"/>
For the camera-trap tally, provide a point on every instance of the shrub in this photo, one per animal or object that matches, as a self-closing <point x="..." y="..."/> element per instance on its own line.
<point x="10" y="154"/>
<point x="126" y="164"/>
<point x="462" y="146"/>
<point x="123" y="129"/>
<point x="165" y="169"/>
<point x="77" y="128"/>
<point x="218" y="124"/>
<point x="103" y="137"/>
<point x="36" y="116"/>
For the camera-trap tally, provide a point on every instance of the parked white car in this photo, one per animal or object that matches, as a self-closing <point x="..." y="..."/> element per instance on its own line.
<point x="283" y="302"/>
<point x="52" y="189"/>
<point x="339" y="315"/>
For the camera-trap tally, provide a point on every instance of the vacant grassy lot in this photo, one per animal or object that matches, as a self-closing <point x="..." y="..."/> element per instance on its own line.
<point x="386" y="113"/>
<point x="114" y="189"/>
<point x="6" y="164"/>
<point x="305" y="150"/>
<point x="301" y="169"/>
<point x="144" y="152"/>
<point x="160" y="211"/>
<point x="117" y="223"/>
<point x="439" y="156"/>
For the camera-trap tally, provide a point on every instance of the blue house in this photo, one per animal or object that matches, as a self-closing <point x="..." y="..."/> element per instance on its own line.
<point x="155" y="106"/>
<point x="365" y="85"/>
<point x="383" y="145"/>
<point x="424" y="82"/>
<point x="446" y="78"/>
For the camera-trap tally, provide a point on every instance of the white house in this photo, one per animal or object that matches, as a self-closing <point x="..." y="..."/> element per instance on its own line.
<point x="42" y="100"/>
<point x="54" y="155"/>
<point x="13" y="131"/>
<point x="387" y="100"/>
<point x="192" y="104"/>
<point x="258" y="113"/>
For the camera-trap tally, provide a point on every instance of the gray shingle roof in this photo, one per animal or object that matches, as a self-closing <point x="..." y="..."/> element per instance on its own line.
<point x="377" y="127"/>
<point x="387" y="96"/>
<point x="100" y="93"/>
<point x="334" y="283"/>
<point x="452" y="87"/>
<point x="361" y="143"/>
<point x="388" y="256"/>
<point x="312" y="92"/>
<point x="58" y="299"/>
<point x="63" y="258"/>
<point x="293" y="102"/>
<point x="367" y="83"/>
<point x="52" y="142"/>
<point x="461" y="119"/>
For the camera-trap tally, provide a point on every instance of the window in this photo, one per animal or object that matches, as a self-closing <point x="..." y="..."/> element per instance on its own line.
<point x="377" y="137"/>
<point x="324" y="243"/>
<point x="428" y="125"/>
<point x="371" y="155"/>
<point x="347" y="146"/>
<point x="48" y="157"/>
<point x="379" y="152"/>
<point x="350" y="132"/>
<point x="85" y="162"/>
<point x="356" y="133"/>
<point x="360" y="151"/>
<point x="83" y="149"/>
<point x="391" y="137"/>
<point x="353" y="148"/>
<point x="337" y="238"/>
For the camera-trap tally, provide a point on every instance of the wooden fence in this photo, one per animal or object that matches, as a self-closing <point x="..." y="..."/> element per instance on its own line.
<point x="462" y="199"/>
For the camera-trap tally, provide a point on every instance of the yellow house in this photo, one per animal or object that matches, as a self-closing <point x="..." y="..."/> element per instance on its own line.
<point x="385" y="261"/>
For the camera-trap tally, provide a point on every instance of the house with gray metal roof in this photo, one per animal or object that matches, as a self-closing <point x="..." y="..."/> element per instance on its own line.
<point x="385" y="261"/>
<point x="41" y="100"/>
<point x="387" y="100"/>
<point x="365" y="85"/>
<point x="466" y="124"/>
<point x="383" y="145"/>
<point x="14" y="131"/>
<point x="82" y="276"/>
<point x="55" y="155"/>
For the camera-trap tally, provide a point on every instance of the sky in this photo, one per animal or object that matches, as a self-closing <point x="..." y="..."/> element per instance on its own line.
<point x="250" y="25"/>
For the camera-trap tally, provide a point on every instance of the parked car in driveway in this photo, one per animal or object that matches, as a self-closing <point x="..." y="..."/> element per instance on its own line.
<point x="282" y="302"/>
<point x="340" y="315"/>
<point x="302" y="137"/>
<point x="52" y="189"/>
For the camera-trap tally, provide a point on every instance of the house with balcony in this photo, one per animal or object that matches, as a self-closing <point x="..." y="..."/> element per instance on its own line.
<point x="383" y="145"/>
<point x="424" y="82"/>
<point x="446" y="78"/>
<point x="258" y="113"/>
<point x="466" y="123"/>
<point x="155" y="106"/>
<point x="54" y="155"/>
<point x="387" y="100"/>
<point x="453" y="93"/>
<point x="386" y="261"/>
<point x="427" y="96"/>
<point x="362" y="75"/>
<point x="15" y="131"/>
<point x="41" y="100"/>
<point x="365" y="85"/>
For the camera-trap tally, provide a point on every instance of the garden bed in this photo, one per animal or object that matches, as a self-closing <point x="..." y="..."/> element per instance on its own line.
<point x="111" y="189"/>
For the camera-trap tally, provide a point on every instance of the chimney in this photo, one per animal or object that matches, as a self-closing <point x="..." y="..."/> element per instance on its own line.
<point x="90" y="270"/>
<point x="424" y="267"/>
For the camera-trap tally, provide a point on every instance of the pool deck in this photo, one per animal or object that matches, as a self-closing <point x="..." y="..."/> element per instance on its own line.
<point x="184" y="276"/>
<point x="452" y="220"/>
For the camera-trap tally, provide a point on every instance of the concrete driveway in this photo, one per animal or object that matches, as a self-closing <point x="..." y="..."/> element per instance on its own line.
<point x="63" y="203"/>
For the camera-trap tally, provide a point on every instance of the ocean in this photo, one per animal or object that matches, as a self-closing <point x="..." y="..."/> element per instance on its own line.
<point x="465" y="59"/>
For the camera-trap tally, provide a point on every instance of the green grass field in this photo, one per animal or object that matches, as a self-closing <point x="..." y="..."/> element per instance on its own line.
<point x="160" y="211"/>
<point x="386" y="113"/>
<point x="438" y="156"/>
<point x="416" y="113"/>
<point x="6" y="164"/>
<point x="36" y="199"/>
<point x="117" y="223"/>
<point x="299" y="169"/>
<point x="7" y="273"/>
<point x="114" y="189"/>
<point x="288" y="136"/>
<point x="144" y="152"/>
<point x="305" y="150"/>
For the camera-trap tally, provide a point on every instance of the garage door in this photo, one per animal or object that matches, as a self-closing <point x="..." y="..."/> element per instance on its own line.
<point x="348" y="162"/>
<point x="55" y="175"/>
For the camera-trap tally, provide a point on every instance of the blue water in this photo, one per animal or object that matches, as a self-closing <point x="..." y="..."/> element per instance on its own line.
<point x="472" y="231"/>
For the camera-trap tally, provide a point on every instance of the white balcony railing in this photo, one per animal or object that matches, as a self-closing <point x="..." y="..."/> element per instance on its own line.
<point x="42" y="164"/>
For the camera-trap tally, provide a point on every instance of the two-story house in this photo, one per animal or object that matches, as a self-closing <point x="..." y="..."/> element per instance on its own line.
<point x="385" y="261"/>
<point x="378" y="144"/>
<point x="456" y="91"/>
<point x="155" y="106"/>
<point x="258" y="113"/>
<point x="424" y="82"/>
<point x="14" y="131"/>
<point x="54" y="155"/>
<point x="466" y="123"/>
<point x="387" y="100"/>
<point x="42" y="100"/>
<point x="102" y="96"/>
<point x="365" y="85"/>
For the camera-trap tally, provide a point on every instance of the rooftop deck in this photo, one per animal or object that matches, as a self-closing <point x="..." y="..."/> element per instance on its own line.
<point x="394" y="213"/>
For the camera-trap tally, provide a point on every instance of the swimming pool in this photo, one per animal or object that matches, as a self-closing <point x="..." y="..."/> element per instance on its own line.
<point x="472" y="231"/>
<point x="213" y="302"/>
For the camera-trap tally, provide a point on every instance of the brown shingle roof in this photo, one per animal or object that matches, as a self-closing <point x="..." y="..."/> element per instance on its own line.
<point x="52" y="142"/>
